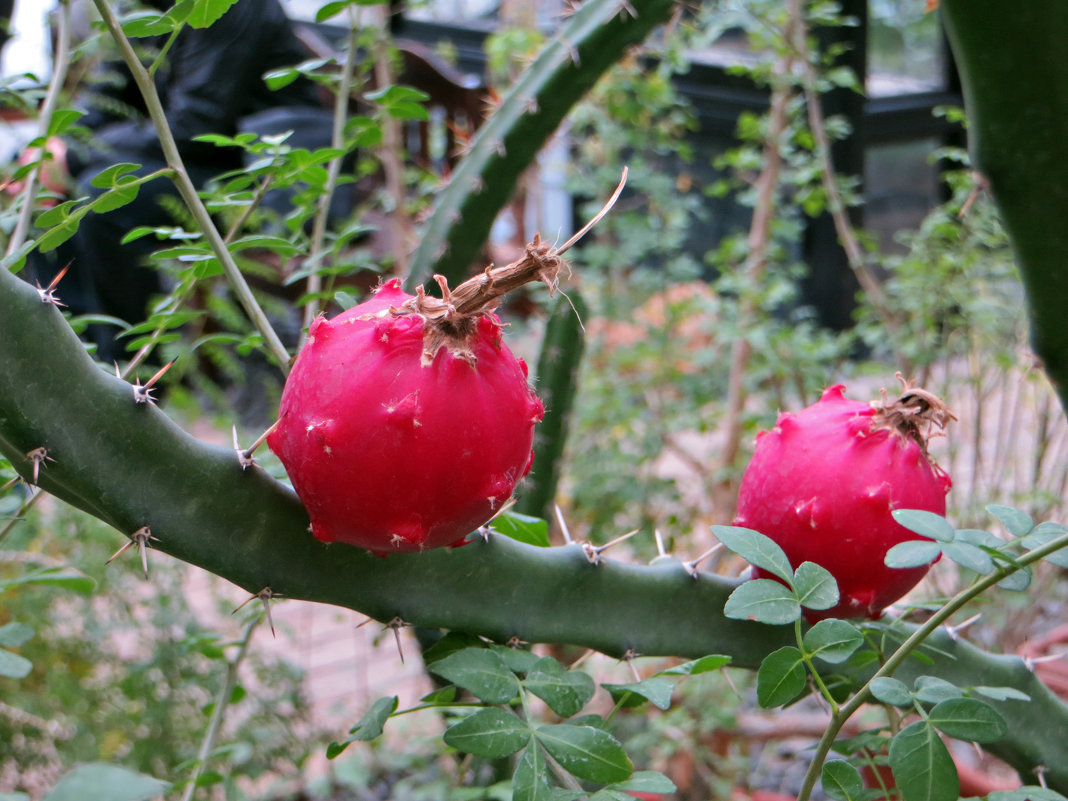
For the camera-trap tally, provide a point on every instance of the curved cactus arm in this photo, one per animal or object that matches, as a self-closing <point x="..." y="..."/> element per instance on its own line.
<point x="557" y="382"/>
<point x="590" y="41"/>
<point x="131" y="466"/>
<point x="1015" y="80"/>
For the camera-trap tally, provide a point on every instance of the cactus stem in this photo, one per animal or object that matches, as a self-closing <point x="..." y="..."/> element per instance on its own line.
<point x="244" y="455"/>
<point x="38" y="456"/>
<point x="266" y="595"/>
<point x="143" y="393"/>
<point x="48" y="293"/>
<point x="691" y="567"/>
<point x="140" y="538"/>
<point x="593" y="552"/>
<point x="952" y="630"/>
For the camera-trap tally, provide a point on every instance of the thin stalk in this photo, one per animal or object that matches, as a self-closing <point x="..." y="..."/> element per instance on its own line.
<point x="815" y="674"/>
<point x="222" y="701"/>
<point x="26" y="506"/>
<point x="337" y="140"/>
<point x="179" y="299"/>
<point x="59" y="74"/>
<point x="189" y="192"/>
<point x="907" y="647"/>
<point x="392" y="166"/>
<point x="759" y="241"/>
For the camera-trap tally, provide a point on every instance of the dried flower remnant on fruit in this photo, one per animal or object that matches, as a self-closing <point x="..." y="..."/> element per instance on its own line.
<point x="406" y="421"/>
<point x="823" y="484"/>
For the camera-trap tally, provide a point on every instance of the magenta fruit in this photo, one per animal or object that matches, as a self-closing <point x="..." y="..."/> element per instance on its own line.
<point x="406" y="421"/>
<point x="824" y="481"/>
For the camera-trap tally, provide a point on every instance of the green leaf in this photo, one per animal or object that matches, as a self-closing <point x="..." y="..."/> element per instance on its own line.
<point x="329" y="10"/>
<point x="970" y="556"/>
<point x="969" y="719"/>
<point x="374" y="720"/>
<point x="757" y="549"/>
<point x="523" y="528"/>
<point x="63" y="120"/>
<point x="369" y="727"/>
<point x="781" y="677"/>
<point x="1016" y="522"/>
<point x="586" y="752"/>
<point x="1026" y="793"/>
<point x="646" y="781"/>
<point x="116" y="198"/>
<point x="531" y="779"/>
<point x="56" y="236"/>
<point x="655" y="690"/>
<point x="489" y="733"/>
<point x="763" y="600"/>
<point x="1043" y="534"/>
<point x="979" y="538"/>
<point x="206" y="12"/>
<point x="14" y="797"/>
<point x="107" y="178"/>
<point x="102" y="782"/>
<point x="66" y="578"/>
<point x="833" y="640"/>
<point x="565" y="691"/>
<point x="706" y="664"/>
<point x="927" y="524"/>
<point x="912" y="553"/>
<point x="451" y="643"/>
<point x="922" y="766"/>
<point x="442" y="695"/>
<point x="12" y="635"/>
<point x="481" y="672"/>
<point x="932" y="690"/>
<point x="891" y="691"/>
<point x="1002" y="693"/>
<point x="815" y="586"/>
<point x="345" y="300"/>
<point x="1017" y="581"/>
<point x="517" y="660"/>
<point x="13" y="666"/>
<point x="841" y="780"/>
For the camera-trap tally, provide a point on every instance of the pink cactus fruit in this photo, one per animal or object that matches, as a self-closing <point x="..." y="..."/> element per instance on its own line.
<point x="401" y="432"/>
<point x="824" y="481"/>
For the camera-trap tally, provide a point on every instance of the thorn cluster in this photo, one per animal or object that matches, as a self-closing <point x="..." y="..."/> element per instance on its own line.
<point x="38" y="456"/>
<point x="141" y="539"/>
<point x="48" y="294"/>
<point x="143" y="393"/>
<point x="266" y="595"/>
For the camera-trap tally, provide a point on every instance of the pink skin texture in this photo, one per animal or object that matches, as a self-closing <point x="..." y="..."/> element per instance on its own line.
<point x="823" y="482"/>
<point x="395" y="456"/>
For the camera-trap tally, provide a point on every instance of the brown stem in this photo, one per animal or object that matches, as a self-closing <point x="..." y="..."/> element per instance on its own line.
<point x="758" y="243"/>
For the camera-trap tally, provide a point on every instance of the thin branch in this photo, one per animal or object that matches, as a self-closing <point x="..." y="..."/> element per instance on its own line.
<point x="222" y="702"/>
<point x="188" y="191"/>
<point x="59" y="74"/>
<point x="759" y="242"/>
<point x="337" y="140"/>
<point x="860" y="698"/>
